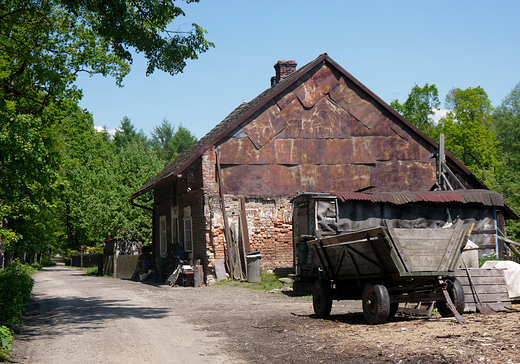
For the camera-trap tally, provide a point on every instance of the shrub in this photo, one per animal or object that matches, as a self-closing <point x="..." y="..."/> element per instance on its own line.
<point x="48" y="263"/>
<point x="6" y="337"/>
<point x="92" y="271"/>
<point x="96" y="249"/>
<point x="15" y="293"/>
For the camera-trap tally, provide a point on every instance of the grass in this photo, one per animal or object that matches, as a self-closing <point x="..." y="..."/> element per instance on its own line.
<point x="268" y="281"/>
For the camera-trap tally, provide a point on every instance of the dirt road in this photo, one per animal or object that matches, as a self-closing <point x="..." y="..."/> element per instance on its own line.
<point x="78" y="319"/>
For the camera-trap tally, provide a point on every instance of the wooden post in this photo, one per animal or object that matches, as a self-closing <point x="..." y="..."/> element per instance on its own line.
<point x="440" y="160"/>
<point x="225" y="218"/>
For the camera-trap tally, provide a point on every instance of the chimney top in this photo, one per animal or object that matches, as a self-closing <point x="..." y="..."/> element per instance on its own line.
<point x="283" y="69"/>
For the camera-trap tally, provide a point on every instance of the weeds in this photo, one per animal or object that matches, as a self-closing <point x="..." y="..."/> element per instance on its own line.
<point x="268" y="281"/>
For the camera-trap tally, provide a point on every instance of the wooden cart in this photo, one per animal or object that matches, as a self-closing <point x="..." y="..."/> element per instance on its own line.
<point x="385" y="266"/>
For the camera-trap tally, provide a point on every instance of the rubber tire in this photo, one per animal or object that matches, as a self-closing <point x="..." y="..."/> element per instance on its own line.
<point x="376" y="303"/>
<point x="394" y="307"/>
<point x="322" y="298"/>
<point x="457" y="297"/>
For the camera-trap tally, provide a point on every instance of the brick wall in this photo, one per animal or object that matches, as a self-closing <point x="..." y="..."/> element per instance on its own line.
<point x="269" y="224"/>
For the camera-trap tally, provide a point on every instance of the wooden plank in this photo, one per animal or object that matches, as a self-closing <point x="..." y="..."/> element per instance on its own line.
<point x="481" y="272"/>
<point x="490" y="285"/>
<point x="482" y="280"/>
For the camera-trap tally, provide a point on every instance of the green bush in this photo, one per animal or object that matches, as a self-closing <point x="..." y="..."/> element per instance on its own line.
<point x="92" y="271"/>
<point x="48" y="263"/>
<point x="6" y="337"/>
<point x="16" y="287"/>
<point x="96" y="249"/>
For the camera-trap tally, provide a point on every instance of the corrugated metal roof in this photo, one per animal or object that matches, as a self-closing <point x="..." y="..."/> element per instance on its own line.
<point x="484" y="197"/>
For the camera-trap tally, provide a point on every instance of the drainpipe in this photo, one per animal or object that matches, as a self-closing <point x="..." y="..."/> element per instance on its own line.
<point x="496" y="231"/>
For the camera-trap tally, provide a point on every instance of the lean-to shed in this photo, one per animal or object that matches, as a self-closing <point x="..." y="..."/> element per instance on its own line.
<point x="315" y="130"/>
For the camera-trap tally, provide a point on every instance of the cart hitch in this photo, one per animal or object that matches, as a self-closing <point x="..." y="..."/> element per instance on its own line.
<point x="451" y="306"/>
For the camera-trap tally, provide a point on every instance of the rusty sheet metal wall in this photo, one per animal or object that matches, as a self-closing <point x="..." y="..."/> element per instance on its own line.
<point x="324" y="135"/>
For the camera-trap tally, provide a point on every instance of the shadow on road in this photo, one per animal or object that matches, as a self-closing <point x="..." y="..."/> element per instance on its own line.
<point x="59" y="315"/>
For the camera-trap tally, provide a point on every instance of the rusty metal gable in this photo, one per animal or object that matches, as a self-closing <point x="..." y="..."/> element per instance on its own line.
<point x="309" y="91"/>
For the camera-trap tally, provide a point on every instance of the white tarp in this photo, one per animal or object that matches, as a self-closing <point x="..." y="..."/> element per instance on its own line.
<point x="512" y="275"/>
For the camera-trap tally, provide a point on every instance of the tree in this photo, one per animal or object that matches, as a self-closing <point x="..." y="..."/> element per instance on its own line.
<point x="468" y="130"/>
<point x="161" y="137"/>
<point x="170" y="144"/>
<point x="100" y="187"/>
<point x="420" y="106"/>
<point x="507" y="124"/>
<point x="182" y="140"/>
<point x="44" y="45"/>
<point x="126" y="134"/>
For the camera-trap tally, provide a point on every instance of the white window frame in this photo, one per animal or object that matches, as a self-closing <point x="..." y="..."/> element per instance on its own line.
<point x="188" y="230"/>
<point x="175" y="225"/>
<point x="162" y="235"/>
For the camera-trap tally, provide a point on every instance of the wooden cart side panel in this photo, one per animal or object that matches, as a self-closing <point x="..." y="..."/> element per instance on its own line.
<point x="461" y="243"/>
<point x="348" y="259"/>
<point x="348" y="237"/>
<point x="424" y="248"/>
<point x="398" y="255"/>
<point x="454" y="243"/>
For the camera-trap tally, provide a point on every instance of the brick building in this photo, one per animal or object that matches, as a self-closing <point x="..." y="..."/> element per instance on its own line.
<point x="316" y="129"/>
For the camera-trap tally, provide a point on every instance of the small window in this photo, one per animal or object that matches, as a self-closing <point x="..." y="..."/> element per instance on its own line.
<point x="162" y="234"/>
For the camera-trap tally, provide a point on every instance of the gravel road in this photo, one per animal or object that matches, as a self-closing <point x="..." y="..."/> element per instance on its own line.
<point x="77" y="318"/>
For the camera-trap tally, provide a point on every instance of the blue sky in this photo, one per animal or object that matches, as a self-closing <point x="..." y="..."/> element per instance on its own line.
<point x="387" y="45"/>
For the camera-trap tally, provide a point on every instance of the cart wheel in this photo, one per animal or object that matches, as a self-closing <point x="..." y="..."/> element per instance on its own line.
<point x="394" y="307"/>
<point x="376" y="303"/>
<point x="457" y="297"/>
<point x="322" y="298"/>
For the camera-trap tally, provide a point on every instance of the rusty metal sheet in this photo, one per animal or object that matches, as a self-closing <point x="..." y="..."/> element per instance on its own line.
<point x="286" y="100"/>
<point x="288" y="151"/>
<point x="395" y="148"/>
<point x="313" y="151"/>
<point x="283" y="179"/>
<point x="365" y="112"/>
<point x="320" y="84"/>
<point x="484" y="197"/>
<point x="337" y="151"/>
<point x="246" y="179"/>
<point x="309" y="178"/>
<point x="399" y="131"/>
<point x="362" y="150"/>
<point x="382" y="128"/>
<point x="395" y="176"/>
<point x="342" y="94"/>
<point x="325" y="120"/>
<point x="293" y="114"/>
<point x="343" y="177"/>
<point x="265" y="126"/>
<point x="357" y="104"/>
<point x="242" y="151"/>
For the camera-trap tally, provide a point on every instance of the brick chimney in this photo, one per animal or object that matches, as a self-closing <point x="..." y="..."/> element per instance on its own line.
<point x="283" y="69"/>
